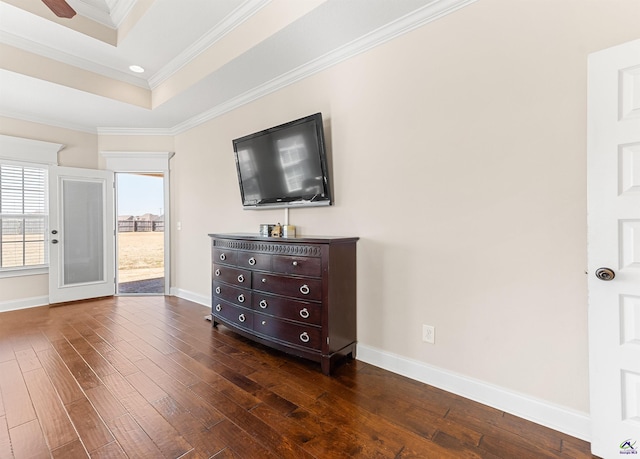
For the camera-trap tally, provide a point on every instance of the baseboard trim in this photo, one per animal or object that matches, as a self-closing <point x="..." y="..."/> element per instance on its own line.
<point x="563" y="419"/>
<point x="204" y="300"/>
<point x="24" y="303"/>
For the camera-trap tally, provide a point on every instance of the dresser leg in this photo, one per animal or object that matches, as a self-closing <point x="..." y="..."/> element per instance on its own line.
<point x="351" y="351"/>
<point x="326" y="365"/>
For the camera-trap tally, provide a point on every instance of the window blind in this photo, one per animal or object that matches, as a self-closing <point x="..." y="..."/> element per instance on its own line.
<point x="23" y="216"/>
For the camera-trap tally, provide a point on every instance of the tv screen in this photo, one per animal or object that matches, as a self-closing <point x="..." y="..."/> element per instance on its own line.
<point x="284" y="166"/>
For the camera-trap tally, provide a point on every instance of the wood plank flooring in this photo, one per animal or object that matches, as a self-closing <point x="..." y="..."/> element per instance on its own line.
<point x="147" y="377"/>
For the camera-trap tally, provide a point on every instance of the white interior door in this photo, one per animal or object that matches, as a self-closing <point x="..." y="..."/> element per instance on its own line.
<point x="614" y="244"/>
<point x="81" y="234"/>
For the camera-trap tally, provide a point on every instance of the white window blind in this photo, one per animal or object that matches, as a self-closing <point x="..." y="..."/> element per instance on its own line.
<point x="23" y="216"/>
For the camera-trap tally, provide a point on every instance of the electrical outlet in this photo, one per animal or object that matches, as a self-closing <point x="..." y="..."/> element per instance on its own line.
<point x="429" y="334"/>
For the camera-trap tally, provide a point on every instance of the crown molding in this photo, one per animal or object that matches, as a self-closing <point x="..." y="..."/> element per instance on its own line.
<point x="93" y="12"/>
<point x="418" y="18"/>
<point x="70" y="59"/>
<point x="121" y="10"/>
<point x="233" y="20"/>
<point x="136" y="131"/>
<point x="48" y="122"/>
<point x="111" y="17"/>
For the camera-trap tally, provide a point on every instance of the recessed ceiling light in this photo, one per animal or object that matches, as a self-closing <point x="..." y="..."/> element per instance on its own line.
<point x="136" y="69"/>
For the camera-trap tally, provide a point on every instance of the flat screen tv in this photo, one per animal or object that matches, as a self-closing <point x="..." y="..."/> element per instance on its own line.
<point x="284" y="166"/>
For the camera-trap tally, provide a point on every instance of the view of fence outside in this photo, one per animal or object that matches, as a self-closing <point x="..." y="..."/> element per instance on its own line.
<point x="19" y="250"/>
<point x="140" y="250"/>
<point x="22" y="241"/>
<point x="140" y="247"/>
<point x="125" y="226"/>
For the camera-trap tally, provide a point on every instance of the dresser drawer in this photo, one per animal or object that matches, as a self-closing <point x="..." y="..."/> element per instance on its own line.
<point x="232" y="294"/>
<point x="253" y="260"/>
<point x="226" y="256"/>
<point x="310" y="289"/>
<point x="300" y="335"/>
<point x="302" y="266"/>
<point x="286" y="308"/>
<point x="230" y="275"/>
<point x="238" y="316"/>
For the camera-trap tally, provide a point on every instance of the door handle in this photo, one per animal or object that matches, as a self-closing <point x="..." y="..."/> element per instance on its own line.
<point x="54" y="241"/>
<point x="605" y="274"/>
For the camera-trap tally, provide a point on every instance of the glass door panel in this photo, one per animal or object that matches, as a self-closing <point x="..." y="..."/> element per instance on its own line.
<point x="82" y="231"/>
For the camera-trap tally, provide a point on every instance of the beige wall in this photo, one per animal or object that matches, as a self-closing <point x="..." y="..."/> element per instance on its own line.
<point x="458" y="156"/>
<point x="80" y="150"/>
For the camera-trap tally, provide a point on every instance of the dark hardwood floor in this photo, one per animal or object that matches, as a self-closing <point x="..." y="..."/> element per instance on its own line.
<point x="148" y="377"/>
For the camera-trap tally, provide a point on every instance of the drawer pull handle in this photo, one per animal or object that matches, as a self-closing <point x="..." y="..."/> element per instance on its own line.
<point x="304" y="313"/>
<point x="218" y="290"/>
<point x="217" y="272"/>
<point x="305" y="289"/>
<point x="264" y="281"/>
<point x="242" y="318"/>
<point x="304" y="337"/>
<point x="252" y="261"/>
<point x="295" y="263"/>
<point x="263" y="304"/>
<point x="223" y="257"/>
<point x="241" y="298"/>
<point x="218" y="308"/>
<point x="240" y="278"/>
<point x="264" y="322"/>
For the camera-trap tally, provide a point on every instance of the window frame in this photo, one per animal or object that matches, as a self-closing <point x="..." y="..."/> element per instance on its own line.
<point x="42" y="267"/>
<point x="24" y="152"/>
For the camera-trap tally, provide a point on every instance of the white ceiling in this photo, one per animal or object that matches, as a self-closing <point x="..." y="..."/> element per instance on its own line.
<point x="173" y="33"/>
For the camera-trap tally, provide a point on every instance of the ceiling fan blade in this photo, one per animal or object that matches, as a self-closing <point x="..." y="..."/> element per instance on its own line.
<point x="60" y="8"/>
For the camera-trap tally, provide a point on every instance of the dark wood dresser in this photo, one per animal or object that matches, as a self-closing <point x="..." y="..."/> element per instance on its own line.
<point x="297" y="295"/>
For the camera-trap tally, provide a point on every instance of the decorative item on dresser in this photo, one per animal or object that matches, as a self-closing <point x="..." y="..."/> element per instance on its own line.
<point x="297" y="295"/>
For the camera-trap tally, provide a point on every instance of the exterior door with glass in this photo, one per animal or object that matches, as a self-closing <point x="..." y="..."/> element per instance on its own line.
<point x="81" y="234"/>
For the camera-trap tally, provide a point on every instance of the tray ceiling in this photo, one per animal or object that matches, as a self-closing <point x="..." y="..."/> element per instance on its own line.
<point x="201" y="58"/>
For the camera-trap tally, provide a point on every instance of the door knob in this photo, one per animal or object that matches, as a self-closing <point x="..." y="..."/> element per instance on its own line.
<point x="605" y="274"/>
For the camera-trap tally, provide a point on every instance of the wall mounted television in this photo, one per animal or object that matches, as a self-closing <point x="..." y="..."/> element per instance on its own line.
<point x="284" y="166"/>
